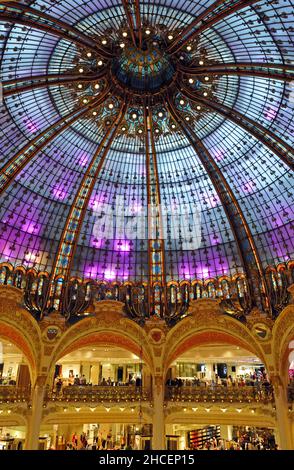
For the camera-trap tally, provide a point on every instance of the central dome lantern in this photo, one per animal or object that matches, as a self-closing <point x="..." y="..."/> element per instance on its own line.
<point x="143" y="70"/>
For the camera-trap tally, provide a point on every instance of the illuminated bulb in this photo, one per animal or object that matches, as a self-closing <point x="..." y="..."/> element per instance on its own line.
<point x="104" y="42"/>
<point x="191" y="80"/>
<point x="81" y="70"/>
<point x="124" y="34"/>
<point x="123" y="129"/>
<point x="148" y="32"/>
<point x="182" y="102"/>
<point x="122" y="45"/>
<point x="160" y="114"/>
<point x="189" y="48"/>
<point x="80" y="86"/>
<point x="205" y="93"/>
<point x="157" y="131"/>
<point x="187" y="118"/>
<point x="170" y="37"/>
<point x="110" y="106"/>
<point x="85" y="101"/>
<point x="173" y="126"/>
<point x="89" y="54"/>
<point x="100" y="63"/>
<point x="198" y="107"/>
<point x="206" y="79"/>
<point x="140" y="131"/>
<point x="134" y="115"/>
<point x="201" y="62"/>
<point x="97" y="86"/>
<point x="94" y="113"/>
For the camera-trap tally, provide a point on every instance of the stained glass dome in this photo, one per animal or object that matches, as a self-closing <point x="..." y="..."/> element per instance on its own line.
<point x="173" y="102"/>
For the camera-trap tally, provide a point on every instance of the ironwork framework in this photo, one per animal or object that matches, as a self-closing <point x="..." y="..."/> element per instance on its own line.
<point x="161" y="104"/>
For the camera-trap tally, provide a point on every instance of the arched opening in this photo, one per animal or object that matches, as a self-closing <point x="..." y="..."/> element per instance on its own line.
<point x="15" y="386"/>
<point x="107" y="375"/>
<point x="215" y="383"/>
<point x="17" y="365"/>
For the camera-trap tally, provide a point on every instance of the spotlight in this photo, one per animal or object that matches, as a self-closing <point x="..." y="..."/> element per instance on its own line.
<point x="89" y="54"/>
<point x="123" y="129"/>
<point x="201" y="62"/>
<point x="80" y="86"/>
<point x="173" y="126"/>
<point x="170" y="37"/>
<point x="160" y="114"/>
<point x="140" y="131"/>
<point x="110" y="105"/>
<point x="100" y="63"/>
<point x="81" y="70"/>
<point x="189" y="48"/>
<point x="187" y="118"/>
<point x="94" y="113"/>
<point x="85" y="101"/>
<point x="198" y="107"/>
<point x="124" y="34"/>
<point x="134" y="116"/>
<point x="147" y="31"/>
<point x="206" y="79"/>
<point x="104" y="42"/>
<point x="122" y="45"/>
<point x="182" y="102"/>
<point x="97" y="86"/>
<point x="191" y="80"/>
<point x="205" y="93"/>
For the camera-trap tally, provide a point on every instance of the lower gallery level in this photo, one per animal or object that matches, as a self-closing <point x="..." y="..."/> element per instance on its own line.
<point x="105" y="382"/>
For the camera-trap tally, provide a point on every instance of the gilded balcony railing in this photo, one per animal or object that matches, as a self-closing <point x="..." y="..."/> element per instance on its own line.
<point x="100" y="394"/>
<point x="246" y="394"/>
<point x="13" y="394"/>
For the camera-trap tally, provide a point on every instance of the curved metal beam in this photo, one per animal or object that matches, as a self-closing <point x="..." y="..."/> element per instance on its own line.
<point x="187" y="36"/>
<point x="13" y="12"/>
<point x="25" y="155"/>
<point x="40" y="81"/>
<point x="156" y="243"/>
<point x="69" y="239"/>
<point x="130" y="20"/>
<point x="267" y="70"/>
<point x="138" y="22"/>
<point x="264" y="135"/>
<point x="247" y="249"/>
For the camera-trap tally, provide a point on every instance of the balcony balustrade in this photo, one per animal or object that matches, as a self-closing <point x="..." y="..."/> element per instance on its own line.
<point x="221" y="394"/>
<point x="14" y="394"/>
<point x="100" y="394"/>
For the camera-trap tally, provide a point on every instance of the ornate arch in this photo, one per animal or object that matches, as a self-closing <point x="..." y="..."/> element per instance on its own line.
<point x="208" y="325"/>
<point x="19" y="327"/>
<point x="283" y="333"/>
<point x="108" y="326"/>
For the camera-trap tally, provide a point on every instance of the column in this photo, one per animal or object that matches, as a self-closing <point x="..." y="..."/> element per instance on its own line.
<point x="226" y="432"/>
<point x="54" y="436"/>
<point x="282" y="414"/>
<point x="158" y="440"/>
<point x="35" y="419"/>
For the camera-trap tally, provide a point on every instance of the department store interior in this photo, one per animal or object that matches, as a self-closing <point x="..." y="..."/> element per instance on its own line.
<point x="146" y="225"/>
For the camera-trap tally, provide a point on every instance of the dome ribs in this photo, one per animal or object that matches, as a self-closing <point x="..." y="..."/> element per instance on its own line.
<point x="14" y="12"/>
<point x="30" y="150"/>
<point x="264" y="135"/>
<point x="69" y="239"/>
<point x="248" y="252"/>
<point x="207" y="19"/>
